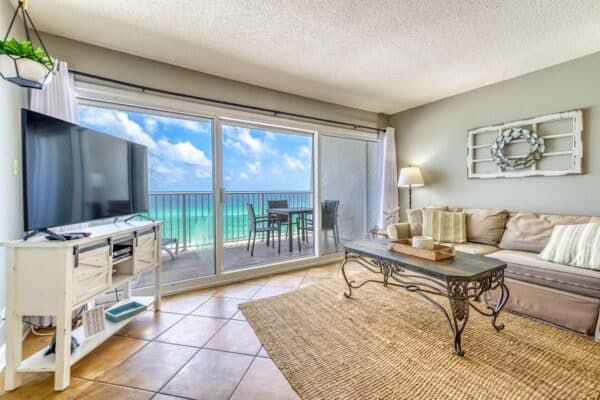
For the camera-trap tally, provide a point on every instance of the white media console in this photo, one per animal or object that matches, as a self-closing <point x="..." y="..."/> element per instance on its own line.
<point x="53" y="277"/>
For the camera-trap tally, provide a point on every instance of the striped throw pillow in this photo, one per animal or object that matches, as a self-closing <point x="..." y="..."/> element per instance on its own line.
<point x="445" y="226"/>
<point x="575" y="245"/>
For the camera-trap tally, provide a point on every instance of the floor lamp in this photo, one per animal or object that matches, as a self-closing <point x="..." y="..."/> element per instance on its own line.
<point x="410" y="177"/>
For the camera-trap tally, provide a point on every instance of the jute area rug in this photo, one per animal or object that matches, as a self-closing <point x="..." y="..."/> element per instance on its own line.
<point x="386" y="343"/>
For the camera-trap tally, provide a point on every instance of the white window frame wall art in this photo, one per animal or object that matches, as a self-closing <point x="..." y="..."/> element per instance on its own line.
<point x="479" y="151"/>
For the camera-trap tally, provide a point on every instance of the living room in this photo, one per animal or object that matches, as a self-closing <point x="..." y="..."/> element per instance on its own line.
<point x="209" y="200"/>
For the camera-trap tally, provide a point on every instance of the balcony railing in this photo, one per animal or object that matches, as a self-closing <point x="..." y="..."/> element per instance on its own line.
<point x="189" y="216"/>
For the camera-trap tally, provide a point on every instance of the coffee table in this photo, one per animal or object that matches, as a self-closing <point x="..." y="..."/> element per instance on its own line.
<point x="462" y="280"/>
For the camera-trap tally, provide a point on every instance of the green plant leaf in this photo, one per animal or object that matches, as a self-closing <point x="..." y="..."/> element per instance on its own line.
<point x="46" y="61"/>
<point x="13" y="47"/>
<point x="25" y="49"/>
<point x="38" y="53"/>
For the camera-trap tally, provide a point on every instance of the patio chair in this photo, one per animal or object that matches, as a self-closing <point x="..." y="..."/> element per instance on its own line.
<point x="165" y="244"/>
<point x="284" y="218"/>
<point x="271" y="226"/>
<point x="329" y="220"/>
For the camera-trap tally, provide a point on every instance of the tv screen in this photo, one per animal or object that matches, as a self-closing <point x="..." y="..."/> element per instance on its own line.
<point x="74" y="174"/>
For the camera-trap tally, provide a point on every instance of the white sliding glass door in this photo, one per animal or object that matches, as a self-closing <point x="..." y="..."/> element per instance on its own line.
<point x="180" y="181"/>
<point x="348" y="191"/>
<point x="267" y="204"/>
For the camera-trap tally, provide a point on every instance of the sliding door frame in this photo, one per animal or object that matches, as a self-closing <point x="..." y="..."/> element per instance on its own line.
<point x="324" y="134"/>
<point x="170" y="106"/>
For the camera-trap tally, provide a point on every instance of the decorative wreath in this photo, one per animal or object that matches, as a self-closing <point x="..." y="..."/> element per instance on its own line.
<point x="536" y="148"/>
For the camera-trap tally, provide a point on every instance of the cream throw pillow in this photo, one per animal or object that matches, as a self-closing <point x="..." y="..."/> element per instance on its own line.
<point x="415" y="218"/>
<point x="575" y="245"/>
<point x="445" y="226"/>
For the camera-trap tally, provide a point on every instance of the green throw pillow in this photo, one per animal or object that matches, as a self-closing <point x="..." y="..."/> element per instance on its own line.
<point x="575" y="245"/>
<point x="445" y="226"/>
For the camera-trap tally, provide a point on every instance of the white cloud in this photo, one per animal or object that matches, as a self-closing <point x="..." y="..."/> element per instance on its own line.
<point x="227" y="178"/>
<point x="167" y="171"/>
<point x="270" y="136"/>
<point x="150" y="125"/>
<point x="254" y="168"/>
<point x="235" y="145"/>
<point x="113" y="122"/>
<point x="243" y="176"/>
<point x="186" y="124"/>
<point x="184" y="152"/>
<point x="187" y="153"/>
<point x="293" y="163"/>
<point x="203" y="173"/>
<point x="242" y="140"/>
<point x="304" y="151"/>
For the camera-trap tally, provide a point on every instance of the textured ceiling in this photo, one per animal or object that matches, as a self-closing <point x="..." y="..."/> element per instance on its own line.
<point x="376" y="55"/>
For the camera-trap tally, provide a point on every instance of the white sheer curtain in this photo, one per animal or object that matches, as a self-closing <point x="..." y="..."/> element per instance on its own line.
<point x="57" y="100"/>
<point x="388" y="177"/>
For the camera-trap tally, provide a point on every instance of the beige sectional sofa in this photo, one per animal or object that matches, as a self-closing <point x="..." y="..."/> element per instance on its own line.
<point x="560" y="294"/>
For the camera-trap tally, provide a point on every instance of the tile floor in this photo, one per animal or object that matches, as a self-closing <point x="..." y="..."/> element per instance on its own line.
<point x="199" y="346"/>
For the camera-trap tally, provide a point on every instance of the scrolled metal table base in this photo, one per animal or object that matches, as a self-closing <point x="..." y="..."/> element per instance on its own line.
<point x="462" y="295"/>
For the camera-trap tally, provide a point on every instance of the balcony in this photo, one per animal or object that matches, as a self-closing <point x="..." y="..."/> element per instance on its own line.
<point x="189" y="232"/>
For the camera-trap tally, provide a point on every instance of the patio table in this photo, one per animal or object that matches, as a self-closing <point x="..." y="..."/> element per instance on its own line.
<point x="290" y="212"/>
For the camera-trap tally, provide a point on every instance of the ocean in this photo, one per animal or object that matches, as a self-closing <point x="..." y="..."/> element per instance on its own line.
<point x="189" y="216"/>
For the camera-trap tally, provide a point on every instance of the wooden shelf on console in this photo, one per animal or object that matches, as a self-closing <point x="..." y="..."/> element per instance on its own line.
<point x="120" y="279"/>
<point x="120" y="260"/>
<point x="40" y="363"/>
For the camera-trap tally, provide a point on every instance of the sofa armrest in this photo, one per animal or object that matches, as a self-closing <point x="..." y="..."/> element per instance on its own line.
<point x="398" y="231"/>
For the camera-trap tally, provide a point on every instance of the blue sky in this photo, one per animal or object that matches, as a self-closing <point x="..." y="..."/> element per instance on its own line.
<point x="180" y="152"/>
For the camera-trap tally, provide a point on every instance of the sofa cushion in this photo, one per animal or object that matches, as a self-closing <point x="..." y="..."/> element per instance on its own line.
<point x="526" y="266"/>
<point x="531" y="232"/>
<point x="485" y="225"/>
<point x="575" y="245"/>
<point x="473" y="248"/>
<point x="415" y="218"/>
<point x="445" y="226"/>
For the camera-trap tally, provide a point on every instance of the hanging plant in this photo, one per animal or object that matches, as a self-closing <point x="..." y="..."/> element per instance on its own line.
<point x="536" y="149"/>
<point x="25" y="49"/>
<point x="21" y="62"/>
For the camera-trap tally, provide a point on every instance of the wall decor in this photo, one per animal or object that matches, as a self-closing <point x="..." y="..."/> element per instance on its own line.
<point x="548" y="145"/>
<point x="536" y="148"/>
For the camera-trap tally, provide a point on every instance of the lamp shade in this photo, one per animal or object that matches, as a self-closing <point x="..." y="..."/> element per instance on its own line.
<point x="410" y="177"/>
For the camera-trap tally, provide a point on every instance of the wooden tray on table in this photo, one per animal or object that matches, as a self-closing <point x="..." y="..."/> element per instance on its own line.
<point x="438" y="253"/>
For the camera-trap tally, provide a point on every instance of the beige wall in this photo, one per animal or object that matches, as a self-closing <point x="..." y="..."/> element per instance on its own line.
<point x="11" y="210"/>
<point x="434" y="137"/>
<point x="128" y="68"/>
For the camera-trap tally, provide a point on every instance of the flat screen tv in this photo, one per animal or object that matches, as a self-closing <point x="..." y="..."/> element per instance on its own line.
<point x="73" y="174"/>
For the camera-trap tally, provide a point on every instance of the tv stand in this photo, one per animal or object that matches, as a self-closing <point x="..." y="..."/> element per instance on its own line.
<point x="55" y="277"/>
<point x="137" y="215"/>
<point x="47" y="231"/>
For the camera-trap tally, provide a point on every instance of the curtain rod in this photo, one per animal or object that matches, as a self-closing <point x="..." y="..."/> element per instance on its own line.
<point x="276" y="113"/>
